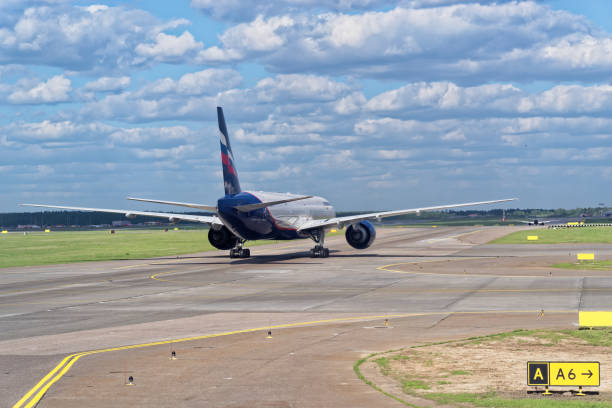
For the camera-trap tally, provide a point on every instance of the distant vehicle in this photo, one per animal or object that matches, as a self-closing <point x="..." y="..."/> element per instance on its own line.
<point x="242" y="215"/>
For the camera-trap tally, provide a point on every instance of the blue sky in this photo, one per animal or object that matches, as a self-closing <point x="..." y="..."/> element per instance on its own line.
<point x="373" y="104"/>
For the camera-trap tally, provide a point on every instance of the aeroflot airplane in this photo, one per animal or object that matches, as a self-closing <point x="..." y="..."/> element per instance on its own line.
<point x="242" y="215"/>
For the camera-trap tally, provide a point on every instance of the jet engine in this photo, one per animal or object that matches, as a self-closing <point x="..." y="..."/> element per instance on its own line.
<point x="222" y="238"/>
<point x="360" y="235"/>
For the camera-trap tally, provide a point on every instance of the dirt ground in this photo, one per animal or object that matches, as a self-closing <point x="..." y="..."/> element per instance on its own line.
<point x="482" y="365"/>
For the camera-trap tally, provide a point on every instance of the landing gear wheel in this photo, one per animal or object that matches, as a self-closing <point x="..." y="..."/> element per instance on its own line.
<point x="319" y="252"/>
<point x="240" y="253"/>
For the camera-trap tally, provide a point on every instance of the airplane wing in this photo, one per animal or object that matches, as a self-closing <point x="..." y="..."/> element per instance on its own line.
<point x="129" y="214"/>
<point x="340" y="222"/>
<point x="211" y="208"/>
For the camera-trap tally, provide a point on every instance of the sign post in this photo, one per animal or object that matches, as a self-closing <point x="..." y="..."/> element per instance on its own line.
<point x="563" y="374"/>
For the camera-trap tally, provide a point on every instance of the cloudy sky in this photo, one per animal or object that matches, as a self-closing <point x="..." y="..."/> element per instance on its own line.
<point x="373" y="104"/>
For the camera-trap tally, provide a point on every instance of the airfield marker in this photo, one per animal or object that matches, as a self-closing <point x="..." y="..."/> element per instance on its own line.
<point x="269" y="336"/>
<point x="130" y="381"/>
<point x="173" y="355"/>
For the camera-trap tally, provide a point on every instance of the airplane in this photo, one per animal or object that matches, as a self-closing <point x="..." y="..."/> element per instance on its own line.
<point x="240" y="216"/>
<point x="535" y="221"/>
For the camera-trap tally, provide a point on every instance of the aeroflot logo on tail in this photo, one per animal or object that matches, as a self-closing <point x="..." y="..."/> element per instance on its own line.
<point x="226" y="162"/>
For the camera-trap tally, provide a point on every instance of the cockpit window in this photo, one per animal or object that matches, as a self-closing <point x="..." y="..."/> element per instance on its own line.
<point x="326" y="203"/>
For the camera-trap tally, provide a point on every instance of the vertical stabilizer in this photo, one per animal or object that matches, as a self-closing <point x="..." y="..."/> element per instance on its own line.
<point x="230" y="175"/>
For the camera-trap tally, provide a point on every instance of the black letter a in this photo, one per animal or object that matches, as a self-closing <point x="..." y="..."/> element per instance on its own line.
<point x="560" y="374"/>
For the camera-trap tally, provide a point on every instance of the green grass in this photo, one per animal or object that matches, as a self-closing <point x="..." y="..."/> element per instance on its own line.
<point x="410" y="385"/>
<point x="56" y="247"/>
<point x="491" y="399"/>
<point x="599" y="338"/>
<point x="40" y="248"/>
<point x="584" y="235"/>
<point x="460" y="372"/>
<point x="586" y="265"/>
<point x="383" y="364"/>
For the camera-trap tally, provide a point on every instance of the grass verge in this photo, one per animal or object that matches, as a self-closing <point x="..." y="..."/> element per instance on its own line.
<point x="413" y="386"/>
<point x="587" y="235"/>
<point x="492" y="400"/>
<point x="56" y="247"/>
<point x="586" y="265"/>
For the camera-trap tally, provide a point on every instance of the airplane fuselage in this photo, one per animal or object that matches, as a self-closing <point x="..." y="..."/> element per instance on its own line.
<point x="276" y="222"/>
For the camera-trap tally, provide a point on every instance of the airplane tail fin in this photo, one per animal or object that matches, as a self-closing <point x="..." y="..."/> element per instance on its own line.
<point x="230" y="175"/>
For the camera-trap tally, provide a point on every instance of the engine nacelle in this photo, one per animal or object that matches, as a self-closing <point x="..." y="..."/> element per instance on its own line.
<point x="130" y="215"/>
<point x="360" y="235"/>
<point x="222" y="238"/>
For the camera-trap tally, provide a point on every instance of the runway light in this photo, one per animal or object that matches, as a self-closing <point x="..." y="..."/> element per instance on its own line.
<point x="269" y="336"/>
<point x="130" y="381"/>
<point x="173" y="355"/>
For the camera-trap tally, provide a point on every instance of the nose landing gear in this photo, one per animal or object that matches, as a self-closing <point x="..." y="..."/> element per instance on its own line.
<point x="239" y="251"/>
<point x="319" y="251"/>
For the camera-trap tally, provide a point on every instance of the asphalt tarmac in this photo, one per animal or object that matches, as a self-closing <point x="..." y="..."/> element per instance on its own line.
<point x="431" y="283"/>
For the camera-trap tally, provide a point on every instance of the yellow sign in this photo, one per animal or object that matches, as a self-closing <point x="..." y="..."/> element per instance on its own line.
<point x="586" y="257"/>
<point x="47" y="230"/>
<point x="576" y="374"/>
<point x="566" y="373"/>
<point x="532" y="237"/>
<point x="595" y="319"/>
<point x="176" y="228"/>
<point x="572" y="223"/>
<point x="5" y="232"/>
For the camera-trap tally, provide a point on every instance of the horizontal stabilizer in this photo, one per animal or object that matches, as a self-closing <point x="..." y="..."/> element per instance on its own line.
<point x="253" y="207"/>
<point x="210" y="208"/>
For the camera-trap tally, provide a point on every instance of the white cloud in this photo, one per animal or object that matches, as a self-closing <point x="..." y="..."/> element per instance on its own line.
<point x="235" y="10"/>
<point x="168" y="48"/>
<point x="472" y="43"/>
<point x="207" y="81"/>
<point x="108" y="84"/>
<point x="299" y="87"/>
<point x="55" y="89"/>
<point x="258" y="36"/>
<point x="92" y="38"/>
<point x="150" y="136"/>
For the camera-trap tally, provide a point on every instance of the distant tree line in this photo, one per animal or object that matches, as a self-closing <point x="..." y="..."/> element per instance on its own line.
<point x="84" y="219"/>
<point x="72" y="218"/>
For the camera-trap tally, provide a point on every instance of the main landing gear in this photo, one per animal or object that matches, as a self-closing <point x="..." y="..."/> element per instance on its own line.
<point x="239" y="252"/>
<point x="319" y="251"/>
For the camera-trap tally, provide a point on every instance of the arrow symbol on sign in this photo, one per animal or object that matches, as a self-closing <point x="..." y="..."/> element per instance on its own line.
<point x="590" y="373"/>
